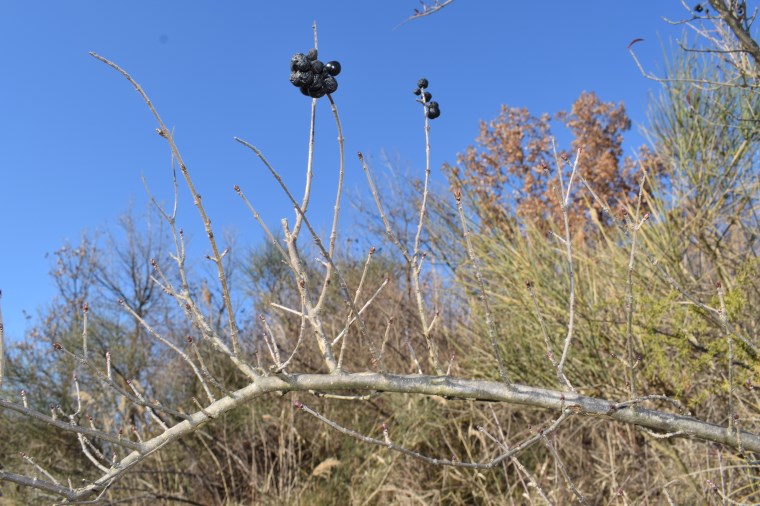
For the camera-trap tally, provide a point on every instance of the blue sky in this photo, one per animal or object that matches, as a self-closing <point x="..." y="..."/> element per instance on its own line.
<point x="76" y="137"/>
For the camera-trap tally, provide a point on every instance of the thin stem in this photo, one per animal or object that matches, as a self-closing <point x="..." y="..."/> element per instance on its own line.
<point x="166" y="134"/>
<point x="730" y="357"/>
<point x="571" y="274"/>
<point x="336" y="208"/>
<point x="344" y="292"/>
<point x="388" y="443"/>
<point x="540" y="317"/>
<point x="629" y="291"/>
<point x="483" y="296"/>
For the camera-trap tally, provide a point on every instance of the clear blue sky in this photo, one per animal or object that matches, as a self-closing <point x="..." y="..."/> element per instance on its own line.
<point x="75" y="137"/>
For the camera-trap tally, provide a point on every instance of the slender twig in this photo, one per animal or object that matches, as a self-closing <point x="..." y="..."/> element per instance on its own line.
<point x="427" y="10"/>
<point x="629" y="290"/>
<point x="85" y="311"/>
<point x="483" y="296"/>
<point x="166" y="134"/>
<point x="502" y="442"/>
<point x="565" y="203"/>
<point x="363" y="309"/>
<point x="540" y="317"/>
<point x="730" y="356"/>
<point x="563" y="469"/>
<point x="336" y="207"/>
<point x="376" y="196"/>
<point x="387" y="442"/>
<point x="171" y="346"/>
<point x="271" y="343"/>
<point x="344" y="291"/>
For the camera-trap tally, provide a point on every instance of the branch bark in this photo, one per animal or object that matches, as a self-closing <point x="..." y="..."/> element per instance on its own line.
<point x="675" y="425"/>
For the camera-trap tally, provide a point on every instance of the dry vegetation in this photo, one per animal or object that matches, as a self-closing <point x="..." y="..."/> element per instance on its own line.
<point x="630" y="284"/>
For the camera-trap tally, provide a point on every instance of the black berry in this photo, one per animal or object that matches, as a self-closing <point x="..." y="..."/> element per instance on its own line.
<point x="417" y="91"/>
<point x="317" y="66"/>
<point x="422" y="83"/>
<point x="300" y="62"/>
<point x="433" y="111"/>
<point x="330" y="84"/>
<point x="332" y="68"/>
<point x="427" y="96"/>
<point x="314" y="78"/>
<point x="698" y="7"/>
<point x="317" y="82"/>
<point x="317" y="93"/>
<point x="301" y="78"/>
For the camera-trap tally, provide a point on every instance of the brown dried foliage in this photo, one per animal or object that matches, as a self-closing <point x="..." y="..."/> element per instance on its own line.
<point x="511" y="165"/>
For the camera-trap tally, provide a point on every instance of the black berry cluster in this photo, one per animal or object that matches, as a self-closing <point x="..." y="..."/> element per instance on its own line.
<point x="432" y="109"/>
<point x="314" y="78"/>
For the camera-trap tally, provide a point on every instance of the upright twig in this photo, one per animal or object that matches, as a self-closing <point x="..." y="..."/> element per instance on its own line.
<point x="483" y="296"/>
<point x="565" y="203"/>
<point x="636" y="225"/>
<point x="310" y="156"/>
<point x="730" y="357"/>
<point x="216" y="257"/>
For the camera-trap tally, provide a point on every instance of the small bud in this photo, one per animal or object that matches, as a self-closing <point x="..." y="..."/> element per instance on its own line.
<point x="121" y="302"/>
<point x="236" y="188"/>
<point x="85" y="307"/>
<point x="372" y="250"/>
<point x="58" y="346"/>
<point x="297" y="405"/>
<point x="529" y="284"/>
<point x="189" y="339"/>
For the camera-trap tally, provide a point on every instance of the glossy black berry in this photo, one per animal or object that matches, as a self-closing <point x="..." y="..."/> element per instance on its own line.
<point x="332" y="68"/>
<point x="422" y="83"/>
<point x="417" y="91"/>
<point x="330" y="84"/>
<point x="427" y="96"/>
<point x="311" y="54"/>
<point x="698" y="8"/>
<point x="304" y="90"/>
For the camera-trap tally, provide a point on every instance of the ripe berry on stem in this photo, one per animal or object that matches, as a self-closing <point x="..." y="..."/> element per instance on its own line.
<point x="332" y="68"/>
